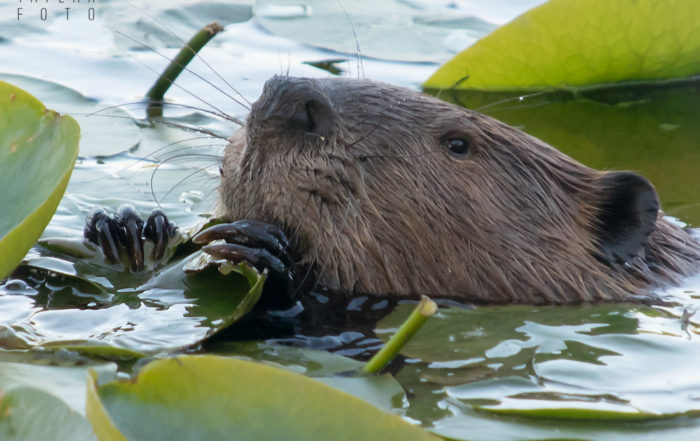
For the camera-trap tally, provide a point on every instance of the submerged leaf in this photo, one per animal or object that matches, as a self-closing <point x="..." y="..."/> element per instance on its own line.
<point x="579" y="43"/>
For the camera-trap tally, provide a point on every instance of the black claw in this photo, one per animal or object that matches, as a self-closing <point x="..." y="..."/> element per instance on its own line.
<point x="159" y="230"/>
<point x="258" y="257"/>
<point x="271" y="229"/>
<point x="127" y="231"/>
<point x="243" y="234"/>
<point x="103" y="231"/>
<point x="132" y="226"/>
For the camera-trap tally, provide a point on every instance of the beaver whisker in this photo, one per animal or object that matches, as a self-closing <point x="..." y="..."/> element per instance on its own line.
<point x="167" y="193"/>
<point x="196" y="54"/>
<point x="163" y="122"/>
<point x="371" y="117"/>
<point x="177" y="84"/>
<point x="155" y="170"/>
<point x="528" y="106"/>
<point x="397" y="155"/>
<point x="360" y="65"/>
<point x="363" y="137"/>
<point x="193" y="129"/>
<point x="226" y="117"/>
<point x="150" y="157"/>
<point x="318" y="242"/>
<point x="314" y="251"/>
<point x="507" y="100"/>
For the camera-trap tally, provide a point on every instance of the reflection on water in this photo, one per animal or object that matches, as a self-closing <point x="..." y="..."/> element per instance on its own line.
<point x="619" y="358"/>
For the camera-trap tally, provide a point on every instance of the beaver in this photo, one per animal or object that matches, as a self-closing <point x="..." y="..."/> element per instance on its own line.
<point x="378" y="189"/>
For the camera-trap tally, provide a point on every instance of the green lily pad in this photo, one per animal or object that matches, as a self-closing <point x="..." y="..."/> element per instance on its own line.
<point x="103" y="132"/>
<point x="28" y="414"/>
<point x="34" y="142"/>
<point x="383" y="391"/>
<point x="60" y="376"/>
<point x="310" y="362"/>
<point x="208" y="397"/>
<point x="577" y="43"/>
<point x="131" y="315"/>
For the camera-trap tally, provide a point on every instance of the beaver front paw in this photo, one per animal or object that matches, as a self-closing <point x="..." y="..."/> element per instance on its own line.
<point x="125" y="231"/>
<point x="261" y="245"/>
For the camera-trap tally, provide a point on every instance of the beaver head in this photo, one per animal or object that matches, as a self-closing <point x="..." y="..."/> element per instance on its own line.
<point x="386" y="190"/>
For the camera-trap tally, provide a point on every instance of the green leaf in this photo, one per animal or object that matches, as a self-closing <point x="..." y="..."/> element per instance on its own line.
<point x="107" y="313"/>
<point x="382" y="391"/>
<point x="578" y="43"/>
<point x="207" y="397"/>
<point x="63" y="376"/>
<point x="97" y="414"/>
<point x="28" y="414"/>
<point x="38" y="148"/>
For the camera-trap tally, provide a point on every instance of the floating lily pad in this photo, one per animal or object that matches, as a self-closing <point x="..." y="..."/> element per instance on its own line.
<point x="337" y="371"/>
<point x="131" y="315"/>
<point x="28" y="414"/>
<point x="577" y="43"/>
<point x="181" y="17"/>
<point x="103" y="133"/>
<point x="38" y="148"/>
<point x="59" y="375"/>
<point x="595" y="413"/>
<point x="391" y="30"/>
<point x="207" y="397"/>
<point x="305" y="361"/>
<point x="509" y="372"/>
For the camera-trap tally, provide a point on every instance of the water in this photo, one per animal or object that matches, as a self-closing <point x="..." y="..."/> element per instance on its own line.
<point x="466" y="365"/>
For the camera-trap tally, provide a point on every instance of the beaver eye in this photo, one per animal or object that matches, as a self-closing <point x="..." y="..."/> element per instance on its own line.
<point x="458" y="147"/>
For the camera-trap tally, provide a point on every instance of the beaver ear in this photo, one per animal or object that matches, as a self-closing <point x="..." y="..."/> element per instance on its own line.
<point x="627" y="215"/>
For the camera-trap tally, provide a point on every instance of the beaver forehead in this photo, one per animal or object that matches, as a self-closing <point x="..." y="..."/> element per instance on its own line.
<point x="356" y="100"/>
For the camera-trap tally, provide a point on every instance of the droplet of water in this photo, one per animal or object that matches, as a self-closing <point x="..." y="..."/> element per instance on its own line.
<point x="17" y="286"/>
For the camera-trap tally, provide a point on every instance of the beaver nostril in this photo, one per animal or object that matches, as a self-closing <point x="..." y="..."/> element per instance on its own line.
<point x="297" y="102"/>
<point x="314" y="113"/>
<point x="311" y="107"/>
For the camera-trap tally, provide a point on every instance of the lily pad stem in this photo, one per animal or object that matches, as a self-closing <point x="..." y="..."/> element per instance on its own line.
<point x="413" y="323"/>
<point x="167" y="78"/>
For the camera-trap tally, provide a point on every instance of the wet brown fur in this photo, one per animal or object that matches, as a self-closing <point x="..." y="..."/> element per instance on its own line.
<point x="376" y="204"/>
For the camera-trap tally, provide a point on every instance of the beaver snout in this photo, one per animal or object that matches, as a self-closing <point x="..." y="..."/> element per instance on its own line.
<point x="295" y="103"/>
